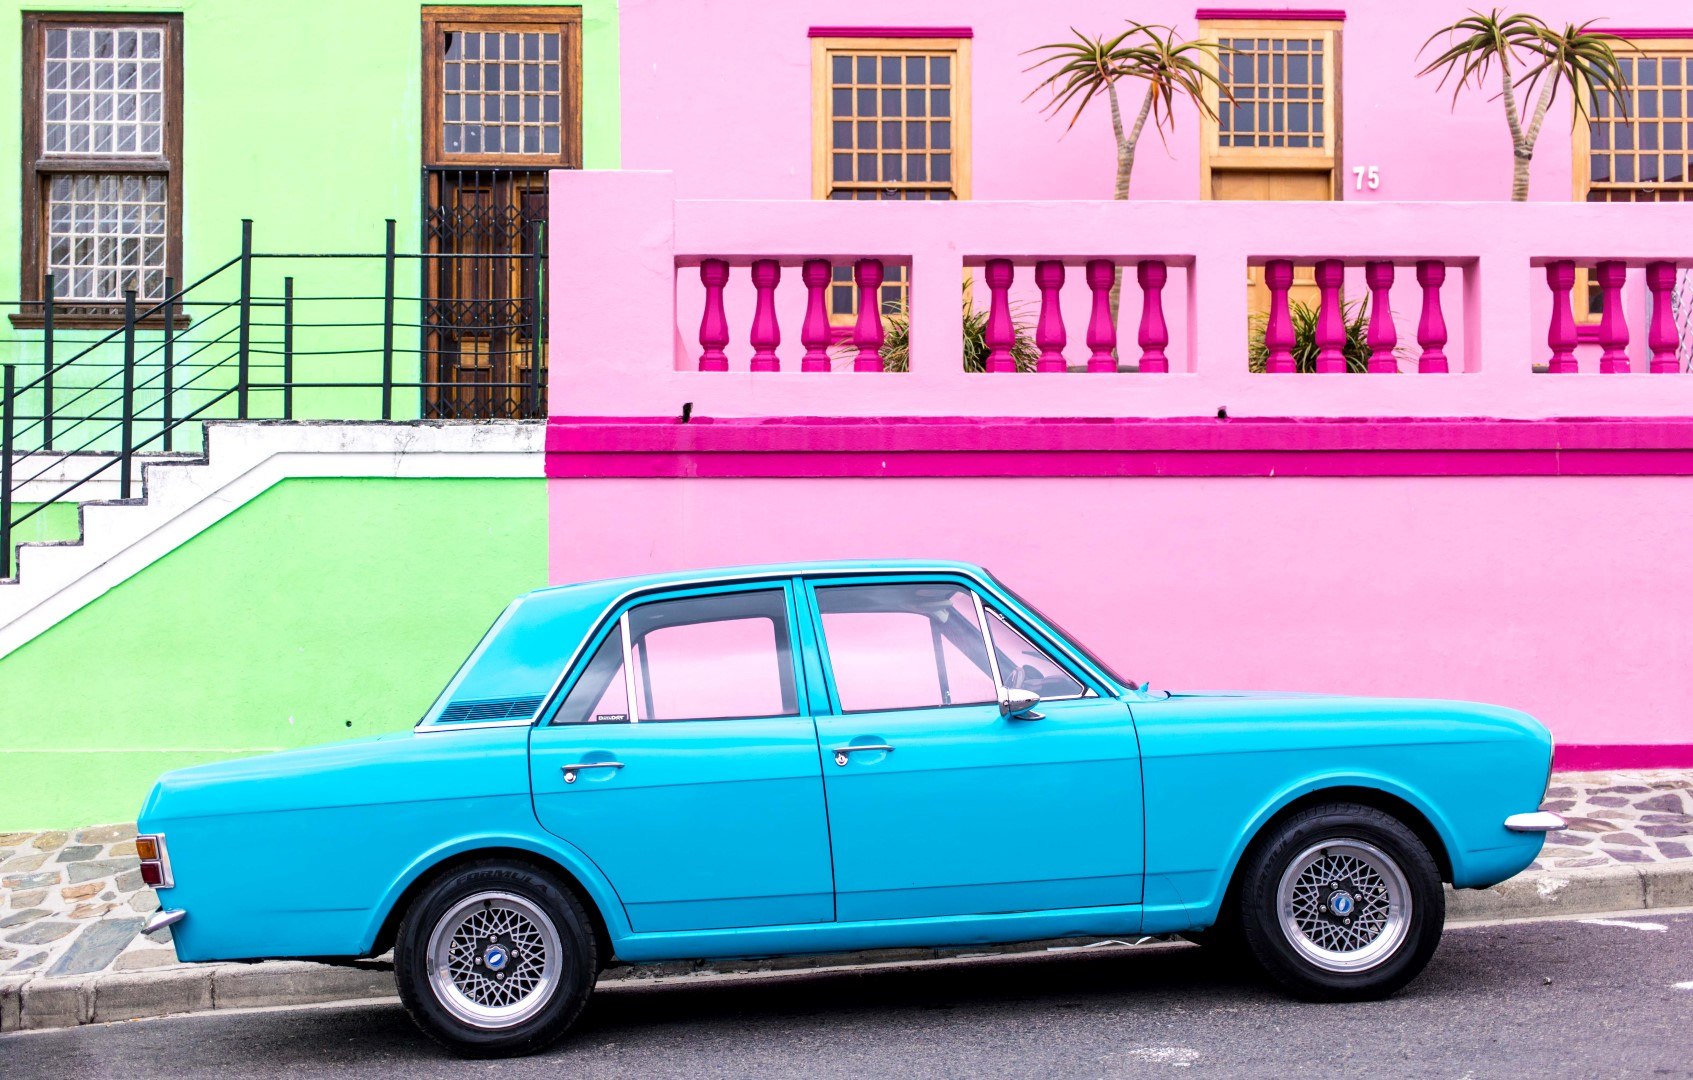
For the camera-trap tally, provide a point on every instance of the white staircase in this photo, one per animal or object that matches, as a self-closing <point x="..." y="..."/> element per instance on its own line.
<point x="177" y="497"/>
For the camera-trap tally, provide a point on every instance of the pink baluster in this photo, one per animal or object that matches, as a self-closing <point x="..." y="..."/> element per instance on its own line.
<point x="766" y="334"/>
<point x="1383" y="338"/>
<point x="1661" y="334"/>
<point x="1560" y="276"/>
<point x="1049" y="332"/>
<point x="998" y="333"/>
<point x="1154" y="334"/>
<point x="814" y="332"/>
<point x="1613" y="324"/>
<point x="867" y="332"/>
<point x="1278" y="328"/>
<point x="1102" y="331"/>
<point x="1431" y="328"/>
<point x="1331" y="321"/>
<point x="714" y="325"/>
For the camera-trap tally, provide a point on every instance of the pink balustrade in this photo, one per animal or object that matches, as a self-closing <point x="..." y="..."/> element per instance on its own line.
<point x="784" y="291"/>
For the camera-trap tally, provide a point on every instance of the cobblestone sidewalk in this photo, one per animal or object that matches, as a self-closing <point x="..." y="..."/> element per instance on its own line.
<point x="72" y="903"/>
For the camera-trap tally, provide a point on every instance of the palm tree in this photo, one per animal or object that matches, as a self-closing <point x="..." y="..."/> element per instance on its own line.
<point x="1527" y="50"/>
<point x="1089" y="66"/>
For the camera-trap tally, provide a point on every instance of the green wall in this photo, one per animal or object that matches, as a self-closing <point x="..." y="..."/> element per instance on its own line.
<point x="55" y="521"/>
<point x="306" y="117"/>
<point x="324" y="609"/>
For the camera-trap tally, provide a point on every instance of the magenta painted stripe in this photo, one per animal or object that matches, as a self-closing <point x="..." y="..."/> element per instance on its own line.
<point x="1021" y="446"/>
<point x="890" y="32"/>
<point x="1595" y="758"/>
<point x="1273" y="14"/>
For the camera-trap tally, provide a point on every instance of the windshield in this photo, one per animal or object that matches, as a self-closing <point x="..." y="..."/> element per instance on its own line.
<point x="1069" y="639"/>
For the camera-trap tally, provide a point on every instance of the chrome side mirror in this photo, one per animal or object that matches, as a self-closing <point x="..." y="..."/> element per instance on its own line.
<point x="1016" y="704"/>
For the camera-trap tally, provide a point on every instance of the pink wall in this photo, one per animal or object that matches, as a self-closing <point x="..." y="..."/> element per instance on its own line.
<point x="719" y="91"/>
<point x="1564" y="596"/>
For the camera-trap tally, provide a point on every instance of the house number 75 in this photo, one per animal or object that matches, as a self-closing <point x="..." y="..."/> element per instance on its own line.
<point x="1366" y="175"/>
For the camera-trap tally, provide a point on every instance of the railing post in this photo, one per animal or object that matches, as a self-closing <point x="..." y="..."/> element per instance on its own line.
<point x="388" y="322"/>
<point x="127" y="416"/>
<point x="1049" y="332"/>
<point x="999" y="333"/>
<point x="1383" y="338"/>
<point x="47" y="305"/>
<point x="288" y="347"/>
<point x="1613" y="324"/>
<point x="8" y="383"/>
<point x="1102" y="329"/>
<point x="537" y="323"/>
<point x="1151" y="275"/>
<point x="1431" y="327"/>
<point x="714" y="324"/>
<point x="167" y="374"/>
<point x="1661" y="337"/>
<point x="867" y="333"/>
<point x="245" y="333"/>
<point x="766" y="333"/>
<point x="1331" y="320"/>
<point x="1278" y="326"/>
<point x="1560" y="335"/>
<point x="814" y="332"/>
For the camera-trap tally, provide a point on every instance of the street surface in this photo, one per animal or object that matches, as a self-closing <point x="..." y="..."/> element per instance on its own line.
<point x="1530" y="999"/>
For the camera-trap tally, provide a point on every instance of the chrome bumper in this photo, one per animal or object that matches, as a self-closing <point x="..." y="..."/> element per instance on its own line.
<point x="1539" y="821"/>
<point x="162" y="919"/>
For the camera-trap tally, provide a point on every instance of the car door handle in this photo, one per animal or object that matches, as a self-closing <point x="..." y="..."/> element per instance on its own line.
<point x="841" y="752"/>
<point x="570" y="771"/>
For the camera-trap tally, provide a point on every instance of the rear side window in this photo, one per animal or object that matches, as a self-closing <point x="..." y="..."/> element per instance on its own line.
<point x="719" y="657"/>
<point x="913" y="646"/>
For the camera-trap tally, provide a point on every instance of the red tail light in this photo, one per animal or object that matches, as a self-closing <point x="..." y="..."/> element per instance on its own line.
<point x="155" y="861"/>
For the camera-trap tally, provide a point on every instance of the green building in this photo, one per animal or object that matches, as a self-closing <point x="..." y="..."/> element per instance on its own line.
<point x="335" y="597"/>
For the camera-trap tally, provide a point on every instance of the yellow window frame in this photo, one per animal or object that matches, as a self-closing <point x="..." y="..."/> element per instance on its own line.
<point x="1214" y="157"/>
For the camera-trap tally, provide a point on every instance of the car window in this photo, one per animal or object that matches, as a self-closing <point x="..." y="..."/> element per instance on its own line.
<point x="713" y="657"/>
<point x="1023" y="665"/>
<point x="907" y="646"/>
<point x="601" y="695"/>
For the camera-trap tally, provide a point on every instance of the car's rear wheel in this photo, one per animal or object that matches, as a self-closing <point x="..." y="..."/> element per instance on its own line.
<point x="495" y="959"/>
<point x="1341" y="903"/>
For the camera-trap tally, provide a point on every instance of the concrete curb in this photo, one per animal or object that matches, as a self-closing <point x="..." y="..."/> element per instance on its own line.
<point x="37" y="1002"/>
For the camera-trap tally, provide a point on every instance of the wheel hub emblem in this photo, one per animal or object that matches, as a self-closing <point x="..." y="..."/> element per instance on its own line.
<point x="1341" y="903"/>
<point x="495" y="958"/>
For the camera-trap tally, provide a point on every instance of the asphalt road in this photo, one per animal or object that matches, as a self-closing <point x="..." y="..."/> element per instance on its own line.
<point x="1532" y="999"/>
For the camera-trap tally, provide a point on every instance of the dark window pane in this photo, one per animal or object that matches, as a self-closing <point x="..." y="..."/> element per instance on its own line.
<point x="840" y="69"/>
<point x="941" y="132"/>
<point x="940" y="69"/>
<point x="866" y="167"/>
<point x="892" y="168"/>
<point x="940" y="168"/>
<point x="841" y="102"/>
<point x="891" y="131"/>
<point x="916" y="136"/>
<point x="917" y="166"/>
<point x="843" y="167"/>
<point x="867" y="103"/>
<point x="867" y="70"/>
<point x="890" y="70"/>
<point x="940" y="103"/>
<point x="890" y="102"/>
<point x="914" y="69"/>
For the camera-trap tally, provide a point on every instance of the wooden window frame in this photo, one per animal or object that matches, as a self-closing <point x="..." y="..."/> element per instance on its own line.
<point x="821" y="50"/>
<point x="38" y="168"/>
<point x="1216" y="158"/>
<point x="567" y="20"/>
<point x="1587" y="315"/>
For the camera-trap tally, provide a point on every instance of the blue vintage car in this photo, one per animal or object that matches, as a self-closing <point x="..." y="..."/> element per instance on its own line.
<point x="834" y="756"/>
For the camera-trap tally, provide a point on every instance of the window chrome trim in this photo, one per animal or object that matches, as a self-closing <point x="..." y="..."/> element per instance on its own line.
<point x="784" y="580"/>
<point x="987" y="643"/>
<point x="628" y="668"/>
<point x="1087" y="691"/>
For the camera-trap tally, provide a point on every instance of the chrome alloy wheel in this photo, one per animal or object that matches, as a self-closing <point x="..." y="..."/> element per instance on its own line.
<point x="494" y="960"/>
<point x="1344" y="905"/>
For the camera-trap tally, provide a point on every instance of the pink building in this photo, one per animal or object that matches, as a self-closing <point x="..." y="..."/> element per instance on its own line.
<point x="1502" y="520"/>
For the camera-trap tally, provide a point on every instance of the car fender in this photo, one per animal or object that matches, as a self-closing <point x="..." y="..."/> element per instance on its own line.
<point x="572" y="859"/>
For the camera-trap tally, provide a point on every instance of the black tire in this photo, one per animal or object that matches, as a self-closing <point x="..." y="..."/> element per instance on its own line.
<point x="511" y="895"/>
<point x="1391" y="954"/>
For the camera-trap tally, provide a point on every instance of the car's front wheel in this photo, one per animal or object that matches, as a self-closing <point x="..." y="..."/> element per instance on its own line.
<point x="1341" y="903"/>
<point x="495" y="959"/>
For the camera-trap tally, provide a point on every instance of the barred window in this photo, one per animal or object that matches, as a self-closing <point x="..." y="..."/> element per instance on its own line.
<point x="102" y="153"/>
<point x="1642" y="151"/>
<point x="501" y="85"/>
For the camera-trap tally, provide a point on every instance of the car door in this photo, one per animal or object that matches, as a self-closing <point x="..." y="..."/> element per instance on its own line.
<point x="681" y="762"/>
<point x="939" y="804"/>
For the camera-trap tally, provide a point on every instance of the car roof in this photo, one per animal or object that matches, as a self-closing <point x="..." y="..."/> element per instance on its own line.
<point x="588" y="591"/>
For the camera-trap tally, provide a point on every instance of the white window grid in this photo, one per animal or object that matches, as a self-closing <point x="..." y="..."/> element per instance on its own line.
<point x="105" y="233"/>
<point x="103" y="91"/>
<point x="502" y="92"/>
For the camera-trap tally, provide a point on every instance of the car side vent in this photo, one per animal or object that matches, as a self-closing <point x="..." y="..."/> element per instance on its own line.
<point x="515" y="708"/>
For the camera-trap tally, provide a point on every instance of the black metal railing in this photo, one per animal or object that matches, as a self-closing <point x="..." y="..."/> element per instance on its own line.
<point x="265" y="335"/>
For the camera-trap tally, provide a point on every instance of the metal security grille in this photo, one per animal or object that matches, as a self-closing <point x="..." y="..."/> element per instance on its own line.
<point x="484" y="317"/>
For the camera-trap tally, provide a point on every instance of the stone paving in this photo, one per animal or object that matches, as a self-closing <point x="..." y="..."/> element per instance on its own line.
<point x="72" y="902"/>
